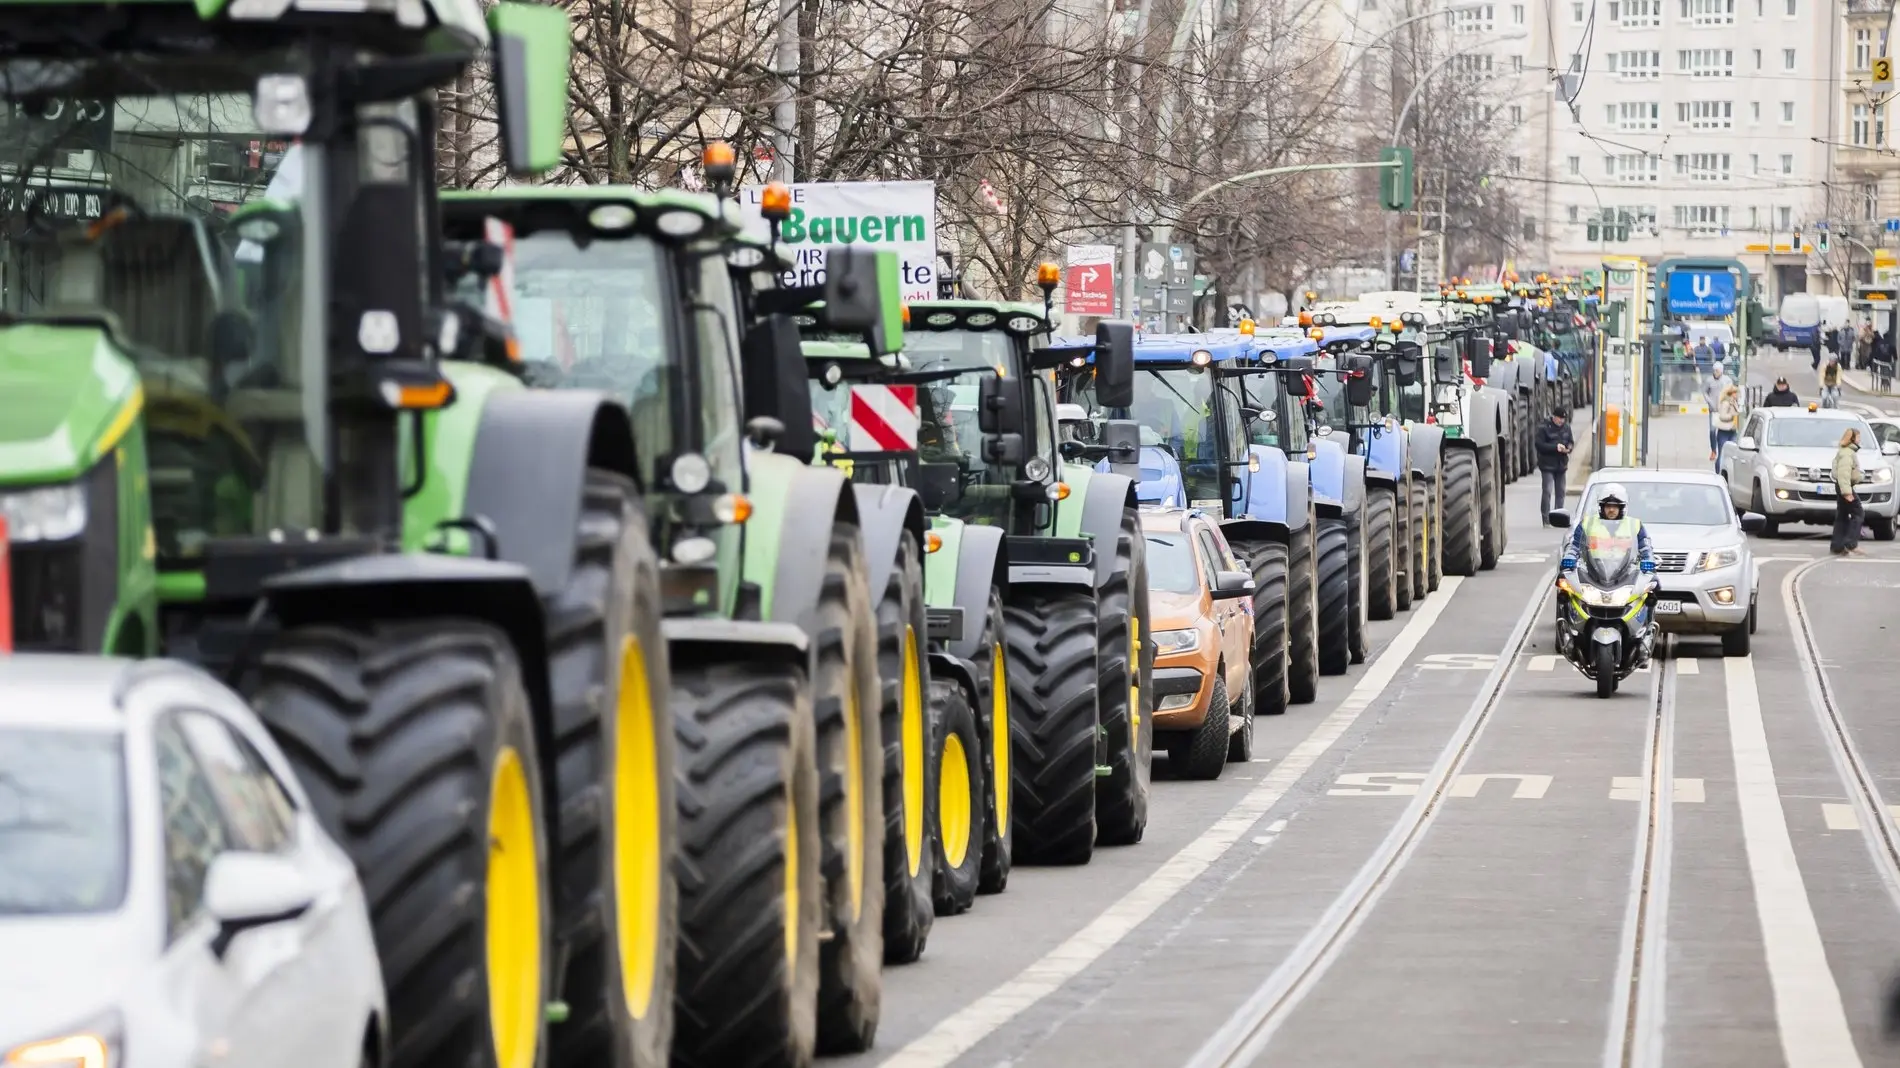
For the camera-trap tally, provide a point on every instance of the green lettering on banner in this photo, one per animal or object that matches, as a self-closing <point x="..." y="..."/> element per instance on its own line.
<point x="800" y="228"/>
<point x="821" y="231"/>
<point x="873" y="228"/>
<point x="913" y="227"/>
<point x="792" y="230"/>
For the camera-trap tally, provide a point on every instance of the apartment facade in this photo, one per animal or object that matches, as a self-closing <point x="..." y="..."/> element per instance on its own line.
<point x="1697" y="128"/>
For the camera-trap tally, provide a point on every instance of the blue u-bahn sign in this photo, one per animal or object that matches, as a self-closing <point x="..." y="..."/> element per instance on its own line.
<point x="1701" y="292"/>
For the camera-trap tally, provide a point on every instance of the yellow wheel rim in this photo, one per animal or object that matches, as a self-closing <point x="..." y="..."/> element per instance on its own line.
<point x="636" y="845"/>
<point x="854" y="793"/>
<point x="953" y="802"/>
<point x="913" y="727"/>
<point x="791" y="877"/>
<point x="1134" y="681"/>
<point x="514" y="916"/>
<point x="999" y="738"/>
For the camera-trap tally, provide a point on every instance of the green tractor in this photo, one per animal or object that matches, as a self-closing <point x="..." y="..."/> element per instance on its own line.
<point x="777" y="582"/>
<point x="1075" y="606"/>
<point x="243" y="425"/>
<point x="862" y="406"/>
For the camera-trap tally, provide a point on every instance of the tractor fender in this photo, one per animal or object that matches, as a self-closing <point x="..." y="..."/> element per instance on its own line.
<point x="887" y="514"/>
<point x="1262" y="494"/>
<point x="699" y="640"/>
<point x="1327" y="472"/>
<point x="532" y="451"/>
<point x="788" y="537"/>
<point x="393" y="586"/>
<point x="1299" y="496"/>
<point x="951" y="666"/>
<point x="1481" y="417"/>
<point x="1160" y="478"/>
<point x="981" y="564"/>
<point x="1104" y="497"/>
<point x="1354" y="500"/>
<point x="1385" y="451"/>
<point x="1426" y="439"/>
<point x="1255" y="530"/>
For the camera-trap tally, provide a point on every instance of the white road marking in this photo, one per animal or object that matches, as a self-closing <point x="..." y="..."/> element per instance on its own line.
<point x="1544" y="662"/>
<point x="1631" y="787"/>
<point x="1530" y="787"/>
<point x="1841" y="816"/>
<point x="958" y="1033"/>
<point x="1523" y="558"/>
<point x="1811" y="1021"/>
<point x="1362" y="783"/>
<point x="1688" y="666"/>
<point x="1459" y="662"/>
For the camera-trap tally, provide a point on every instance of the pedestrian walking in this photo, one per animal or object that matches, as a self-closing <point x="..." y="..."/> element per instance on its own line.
<point x="1847" y="506"/>
<point x="1814" y="346"/>
<point x="1725" y="417"/>
<point x="1554" y="443"/>
<point x="1831" y="383"/>
<point x="1712" y="388"/>
<point x="1864" y="346"/>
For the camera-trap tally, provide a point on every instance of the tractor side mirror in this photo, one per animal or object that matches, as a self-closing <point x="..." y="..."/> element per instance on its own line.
<point x="776" y="383"/>
<point x="1296" y="364"/>
<point x="1406" y="368"/>
<point x="999" y="406"/>
<point x="1005" y="450"/>
<point x="1478" y="353"/>
<point x="1123" y="440"/>
<point x="1359" y="381"/>
<point x="531" y="53"/>
<point x="851" y="288"/>
<point x="1115" y="364"/>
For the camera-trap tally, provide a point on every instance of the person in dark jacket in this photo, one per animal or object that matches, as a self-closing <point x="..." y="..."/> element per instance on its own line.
<point x="1553" y="459"/>
<point x="1781" y="396"/>
<point x="1814" y="346"/>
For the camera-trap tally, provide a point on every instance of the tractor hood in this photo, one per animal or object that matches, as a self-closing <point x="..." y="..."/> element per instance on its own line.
<point x="70" y="396"/>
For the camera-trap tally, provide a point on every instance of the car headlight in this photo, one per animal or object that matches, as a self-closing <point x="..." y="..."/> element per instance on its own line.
<point x="1169" y="642"/>
<point x="1883" y="474"/>
<point x="1781" y="470"/>
<point x="44" y="513"/>
<point x="1719" y="558"/>
<point x="93" y="1046"/>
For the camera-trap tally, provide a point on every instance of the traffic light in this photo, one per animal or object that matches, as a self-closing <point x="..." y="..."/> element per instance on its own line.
<point x="1395" y="182"/>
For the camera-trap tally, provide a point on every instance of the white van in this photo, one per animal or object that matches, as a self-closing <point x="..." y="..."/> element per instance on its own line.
<point x="1803" y="313"/>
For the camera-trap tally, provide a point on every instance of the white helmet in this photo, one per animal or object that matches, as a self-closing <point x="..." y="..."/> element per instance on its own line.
<point x="1613" y="493"/>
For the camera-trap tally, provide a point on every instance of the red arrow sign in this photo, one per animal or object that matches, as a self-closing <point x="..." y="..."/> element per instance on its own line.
<point x="1091" y="289"/>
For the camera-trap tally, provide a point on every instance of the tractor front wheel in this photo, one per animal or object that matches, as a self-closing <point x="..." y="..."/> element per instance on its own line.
<point x="1335" y="596"/>
<point x="992" y="694"/>
<point x="1463" y="534"/>
<point x="1051" y="643"/>
<point x="908" y="775"/>
<point x="958" y="754"/>
<point x="1125" y="669"/>
<point x="1381" y="559"/>
<point x="1302" y="616"/>
<point x="1268" y="561"/>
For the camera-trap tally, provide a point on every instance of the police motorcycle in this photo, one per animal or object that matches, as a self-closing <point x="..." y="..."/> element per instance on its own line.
<point x="1605" y="626"/>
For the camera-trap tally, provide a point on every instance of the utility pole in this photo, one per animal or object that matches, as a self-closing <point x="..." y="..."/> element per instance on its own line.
<point x="785" y="108"/>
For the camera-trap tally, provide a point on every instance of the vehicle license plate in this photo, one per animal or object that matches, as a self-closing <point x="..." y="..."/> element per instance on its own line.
<point x="1823" y="489"/>
<point x="1668" y="608"/>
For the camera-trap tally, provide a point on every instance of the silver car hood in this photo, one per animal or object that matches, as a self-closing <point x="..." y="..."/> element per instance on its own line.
<point x="1676" y="538"/>
<point x="1821" y="456"/>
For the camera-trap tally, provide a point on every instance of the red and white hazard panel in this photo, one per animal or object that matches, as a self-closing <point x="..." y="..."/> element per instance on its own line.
<point x="500" y="299"/>
<point x="883" y="419"/>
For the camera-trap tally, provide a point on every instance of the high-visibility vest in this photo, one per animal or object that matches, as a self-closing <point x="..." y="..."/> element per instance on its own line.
<point x="1600" y="534"/>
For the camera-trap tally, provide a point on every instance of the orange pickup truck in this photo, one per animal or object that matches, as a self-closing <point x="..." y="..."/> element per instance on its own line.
<point x="1200" y="600"/>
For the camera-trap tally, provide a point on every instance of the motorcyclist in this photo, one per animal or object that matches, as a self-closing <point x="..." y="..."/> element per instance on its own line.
<point x="1613" y="525"/>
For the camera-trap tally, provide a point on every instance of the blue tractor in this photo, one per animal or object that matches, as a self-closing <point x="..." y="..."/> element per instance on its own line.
<point x="1219" y="430"/>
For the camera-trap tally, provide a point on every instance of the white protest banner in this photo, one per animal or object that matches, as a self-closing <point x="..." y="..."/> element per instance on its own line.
<point x="901" y="216"/>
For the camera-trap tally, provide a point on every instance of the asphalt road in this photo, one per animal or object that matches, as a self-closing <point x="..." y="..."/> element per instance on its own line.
<point x="1459" y="856"/>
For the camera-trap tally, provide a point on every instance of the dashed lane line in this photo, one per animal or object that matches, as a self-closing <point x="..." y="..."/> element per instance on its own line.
<point x="960" y="1032"/>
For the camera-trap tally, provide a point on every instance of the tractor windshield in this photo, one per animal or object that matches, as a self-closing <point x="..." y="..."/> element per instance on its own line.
<point x="1175" y="408"/>
<point x="141" y="201"/>
<point x="947" y="430"/>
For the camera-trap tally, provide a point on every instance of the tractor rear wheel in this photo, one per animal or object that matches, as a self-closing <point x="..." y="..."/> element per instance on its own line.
<point x="1357" y="636"/>
<point x="1423" y="531"/>
<point x="1335" y="596"/>
<point x="957" y="751"/>
<point x="416" y="746"/>
<point x="616" y="910"/>
<point x="845" y="705"/>
<point x="1051" y="644"/>
<point x="1125" y="668"/>
<point x="1381" y="559"/>
<point x="1490" y="515"/>
<point x="908" y="786"/>
<point x="1435" y="548"/>
<point x="1302" y="616"/>
<point x="750" y="851"/>
<point x="1463" y="535"/>
<point x="992" y="697"/>
<point x="1268" y="561"/>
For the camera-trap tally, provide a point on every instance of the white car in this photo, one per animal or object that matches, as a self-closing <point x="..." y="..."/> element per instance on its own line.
<point x="167" y="899"/>
<point x="1782" y="466"/>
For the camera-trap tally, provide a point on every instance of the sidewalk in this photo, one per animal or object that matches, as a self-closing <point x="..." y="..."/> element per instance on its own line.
<point x="1678" y="442"/>
<point x="1863" y="382"/>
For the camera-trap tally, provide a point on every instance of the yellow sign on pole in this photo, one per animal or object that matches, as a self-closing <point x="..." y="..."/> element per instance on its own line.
<point x="1883" y="71"/>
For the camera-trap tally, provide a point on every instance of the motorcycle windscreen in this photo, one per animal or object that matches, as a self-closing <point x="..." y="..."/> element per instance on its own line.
<point x="1609" y="563"/>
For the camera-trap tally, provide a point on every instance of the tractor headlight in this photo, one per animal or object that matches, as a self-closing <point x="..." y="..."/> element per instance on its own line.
<point x="45" y="513"/>
<point x="1719" y="558"/>
<point x="1169" y="642"/>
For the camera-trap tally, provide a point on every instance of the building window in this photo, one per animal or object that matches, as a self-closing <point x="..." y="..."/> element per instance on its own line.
<point x="1880" y="124"/>
<point x="1707" y="62"/>
<point x="1635" y="167"/>
<point x="1863" y="49"/>
<point x="1517" y="114"/>
<point x="1570" y="213"/>
<point x="1517" y="164"/>
<point x="1757" y="59"/>
<point x="1787" y="111"/>
<point x="1787" y="163"/>
<point x="1754" y="111"/>
<point x="1709" y="12"/>
<point x="1706" y="114"/>
<point x="1637" y="116"/>
<point x="1576" y="14"/>
<point x="1609" y="166"/>
<point x="1703" y="166"/>
<point x="1754" y="163"/>
<point x="1791" y="6"/>
<point x="1574" y="164"/>
<point x="1517" y="14"/>
<point x="1702" y="219"/>
<point x="1754" y="218"/>
<point x="1787" y="59"/>
<point x="1517" y="64"/>
<point x="1787" y="218"/>
<point x="1636" y="14"/>
<point x="1870" y="200"/>
<point x="1858" y="127"/>
<point x="1478" y="17"/>
<point x="1639" y="64"/>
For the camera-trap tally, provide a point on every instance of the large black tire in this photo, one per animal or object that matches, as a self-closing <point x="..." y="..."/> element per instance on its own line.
<point x="1358" y="631"/>
<point x="1201" y="753"/>
<point x="1125" y="668"/>
<point x="1423" y="531"/>
<point x="1462" y="534"/>
<point x="1881" y="527"/>
<point x="904" y="675"/>
<point x="1381" y="559"/>
<point x="957" y="756"/>
<point x="1302" y="617"/>
<point x="1240" y="745"/>
<point x="1268" y="561"/>
<point x="1049" y="635"/>
<point x="1736" y="640"/>
<point x="415" y="744"/>
<point x="1435" y="531"/>
<point x="750" y="854"/>
<point x="845" y="697"/>
<point x="1335" y="596"/>
<point x="992" y="702"/>
<point x="614" y="760"/>
<point x="1490" y="512"/>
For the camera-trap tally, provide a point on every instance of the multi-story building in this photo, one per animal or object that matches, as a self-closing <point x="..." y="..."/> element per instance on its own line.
<point x="1865" y="191"/>
<point x="1696" y="127"/>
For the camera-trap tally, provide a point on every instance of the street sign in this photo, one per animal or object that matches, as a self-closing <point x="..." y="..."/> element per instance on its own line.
<point x="1893" y="226"/>
<point x="1089" y="281"/>
<point x="1883" y="71"/>
<point x="1877" y="298"/>
<point x="1164" y="278"/>
<point x="1710" y="293"/>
